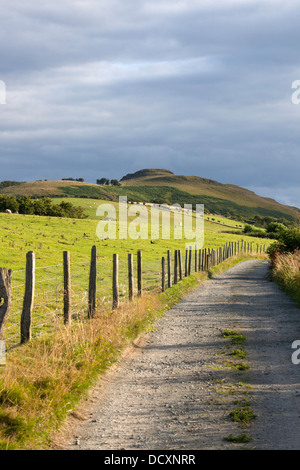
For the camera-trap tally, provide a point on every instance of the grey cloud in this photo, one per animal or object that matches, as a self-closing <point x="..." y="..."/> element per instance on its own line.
<point x="196" y="87"/>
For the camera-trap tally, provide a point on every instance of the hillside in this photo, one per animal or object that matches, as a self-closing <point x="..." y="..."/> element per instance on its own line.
<point x="57" y="189"/>
<point x="218" y="197"/>
<point x="163" y="186"/>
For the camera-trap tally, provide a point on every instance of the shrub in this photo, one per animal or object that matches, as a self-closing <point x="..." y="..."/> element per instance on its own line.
<point x="288" y="242"/>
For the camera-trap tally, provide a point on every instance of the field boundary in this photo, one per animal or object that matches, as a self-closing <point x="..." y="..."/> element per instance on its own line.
<point x="38" y="300"/>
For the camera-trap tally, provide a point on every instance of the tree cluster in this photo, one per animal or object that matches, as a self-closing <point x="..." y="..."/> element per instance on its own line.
<point x="43" y="206"/>
<point x="73" y="179"/>
<point x="107" y="182"/>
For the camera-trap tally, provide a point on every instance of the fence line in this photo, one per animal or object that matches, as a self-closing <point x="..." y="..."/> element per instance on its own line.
<point x="44" y="297"/>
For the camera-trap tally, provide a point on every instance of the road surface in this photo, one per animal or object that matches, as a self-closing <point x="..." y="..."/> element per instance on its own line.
<point x="176" y="387"/>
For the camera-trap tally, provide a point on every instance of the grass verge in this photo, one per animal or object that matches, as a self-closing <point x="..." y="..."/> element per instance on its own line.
<point x="286" y="273"/>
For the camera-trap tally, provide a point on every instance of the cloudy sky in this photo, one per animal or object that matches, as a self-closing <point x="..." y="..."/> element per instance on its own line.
<point x="106" y="87"/>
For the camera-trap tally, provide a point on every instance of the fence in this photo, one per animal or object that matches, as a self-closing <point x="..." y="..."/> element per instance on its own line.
<point x="36" y="300"/>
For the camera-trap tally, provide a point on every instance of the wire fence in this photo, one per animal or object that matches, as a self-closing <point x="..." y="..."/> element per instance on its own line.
<point x="49" y="295"/>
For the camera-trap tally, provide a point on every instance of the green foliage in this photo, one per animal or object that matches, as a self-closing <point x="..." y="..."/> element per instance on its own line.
<point x="241" y="439"/>
<point x="29" y="206"/>
<point x="102" y="181"/>
<point x="288" y="242"/>
<point x="243" y="415"/>
<point x="290" y="238"/>
<point x="273" y="230"/>
<point x="81" y="180"/>
<point x="248" y="228"/>
<point x="115" y="183"/>
<point x="275" y="227"/>
<point x="7" y="184"/>
<point x="265" y="221"/>
<point x="234" y="336"/>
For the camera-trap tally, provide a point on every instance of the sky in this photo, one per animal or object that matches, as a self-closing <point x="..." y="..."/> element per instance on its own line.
<point x="102" y="88"/>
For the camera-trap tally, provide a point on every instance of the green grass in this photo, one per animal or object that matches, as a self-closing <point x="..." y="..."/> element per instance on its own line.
<point x="239" y="439"/>
<point x="242" y="415"/>
<point x="49" y="237"/>
<point x="234" y="336"/>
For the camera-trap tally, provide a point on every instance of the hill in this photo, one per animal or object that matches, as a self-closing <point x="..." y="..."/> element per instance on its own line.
<point x="218" y="197"/>
<point x="57" y="189"/>
<point x="163" y="186"/>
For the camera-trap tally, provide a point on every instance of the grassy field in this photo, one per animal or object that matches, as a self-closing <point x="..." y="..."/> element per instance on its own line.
<point x="49" y="237"/>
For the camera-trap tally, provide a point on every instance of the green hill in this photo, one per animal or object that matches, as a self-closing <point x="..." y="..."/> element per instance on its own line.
<point x="163" y="186"/>
<point x="219" y="198"/>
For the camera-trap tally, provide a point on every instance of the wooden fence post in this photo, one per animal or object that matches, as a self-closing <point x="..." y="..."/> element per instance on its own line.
<point x="92" y="283"/>
<point x="139" y="272"/>
<point x="196" y="259"/>
<point x="190" y="261"/>
<point x="163" y="274"/>
<point x="28" y="298"/>
<point x="169" y="270"/>
<point x="180" y="265"/>
<point x="186" y="263"/>
<point x="67" y="288"/>
<point x="175" y="267"/>
<point x="115" y="281"/>
<point x="130" y="277"/>
<point x="5" y="294"/>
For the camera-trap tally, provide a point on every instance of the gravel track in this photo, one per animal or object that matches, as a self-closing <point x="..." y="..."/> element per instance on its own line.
<point x="173" y="389"/>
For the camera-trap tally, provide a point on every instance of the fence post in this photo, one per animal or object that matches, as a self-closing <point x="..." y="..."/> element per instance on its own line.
<point x="186" y="263"/>
<point x="190" y="261"/>
<point x="67" y="288"/>
<point x="28" y="298"/>
<point x="139" y="272"/>
<point x="169" y="269"/>
<point x="115" y="281"/>
<point x="180" y="265"/>
<point x="92" y="283"/>
<point x="130" y="277"/>
<point x="175" y="267"/>
<point x="196" y="259"/>
<point x="5" y="294"/>
<point x="163" y="274"/>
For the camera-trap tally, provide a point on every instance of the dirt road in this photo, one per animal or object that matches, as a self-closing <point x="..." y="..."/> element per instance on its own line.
<point x="176" y="388"/>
